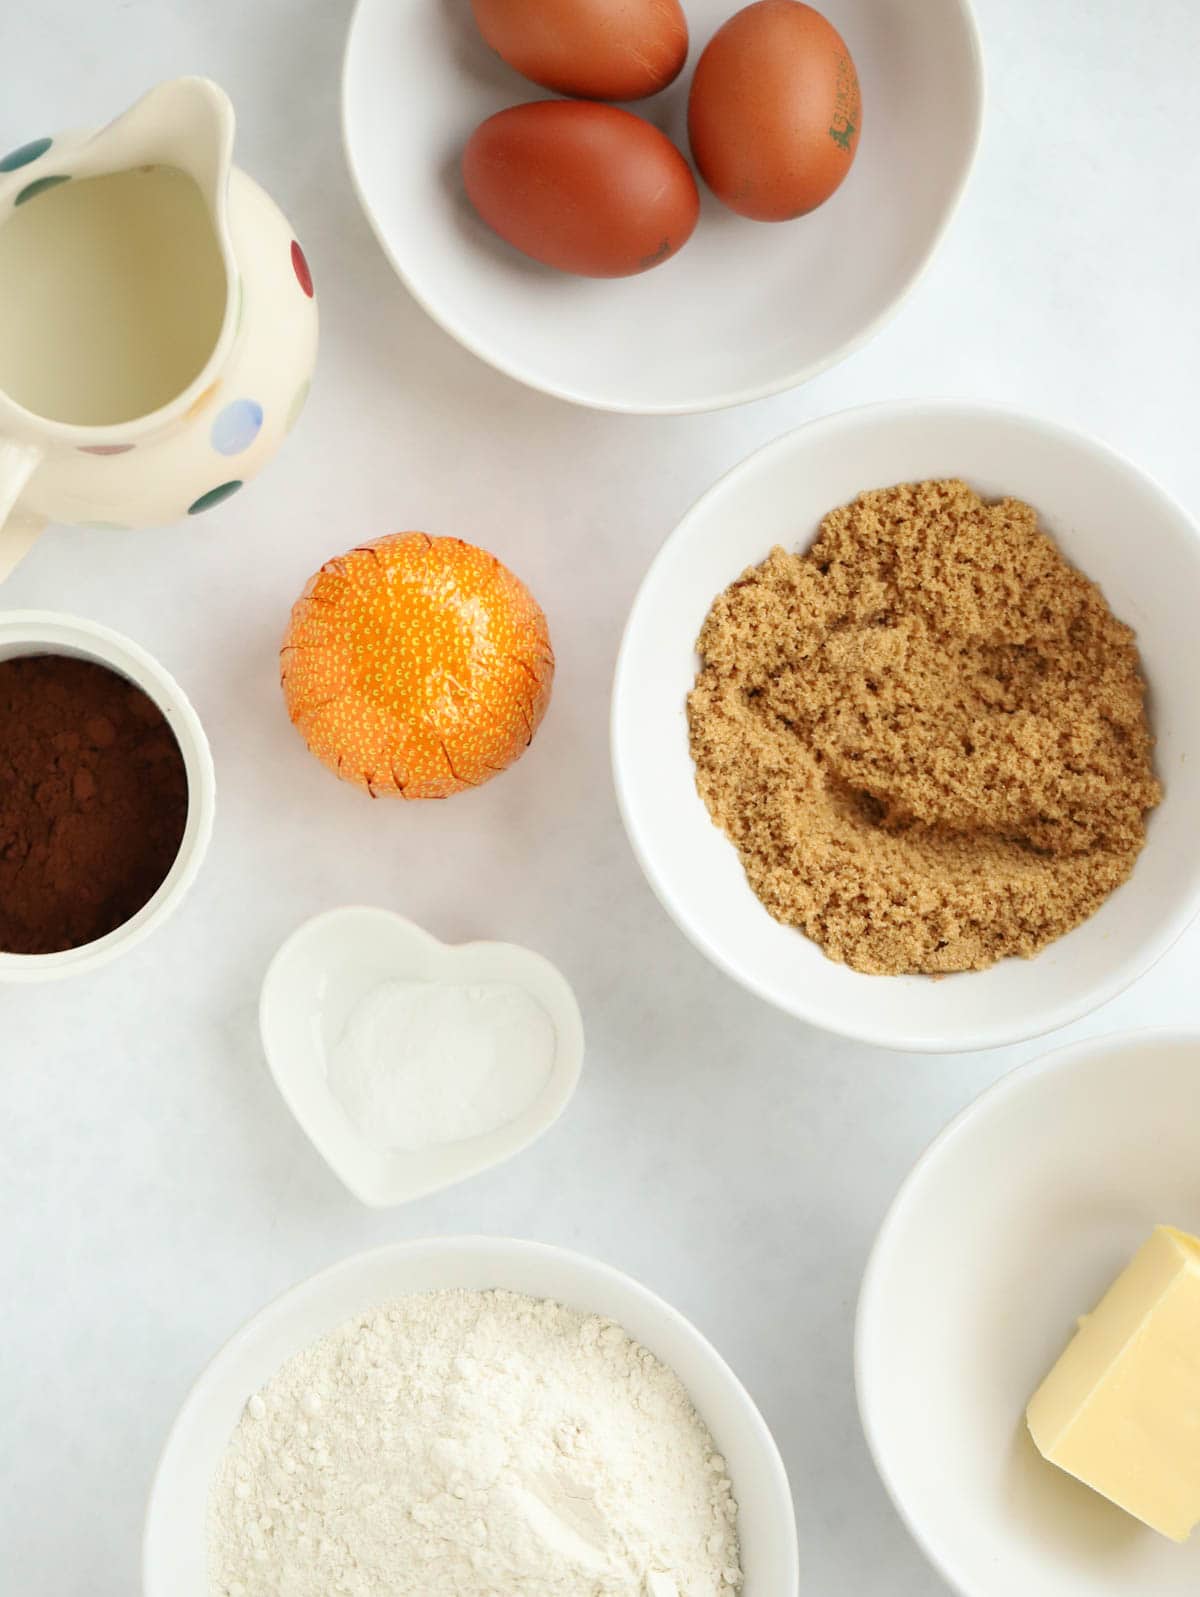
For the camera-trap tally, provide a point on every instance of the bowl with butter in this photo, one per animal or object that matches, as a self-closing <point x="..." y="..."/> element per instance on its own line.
<point x="1028" y="1342"/>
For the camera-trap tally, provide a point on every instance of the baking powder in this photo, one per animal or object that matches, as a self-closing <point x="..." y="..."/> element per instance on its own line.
<point x="422" y="1063"/>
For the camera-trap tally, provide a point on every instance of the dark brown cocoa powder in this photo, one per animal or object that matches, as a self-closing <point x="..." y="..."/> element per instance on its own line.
<point x="93" y="802"/>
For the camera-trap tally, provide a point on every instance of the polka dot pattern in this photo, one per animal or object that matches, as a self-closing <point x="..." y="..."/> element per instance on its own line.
<point x="40" y="185"/>
<point x="24" y="154"/>
<point x="236" y="426"/>
<point x="300" y="267"/>
<point x="214" y="496"/>
<point x="417" y="666"/>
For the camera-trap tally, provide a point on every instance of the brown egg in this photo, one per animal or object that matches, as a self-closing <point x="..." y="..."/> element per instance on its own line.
<point x="774" y="111"/>
<point x="599" y="49"/>
<point x="586" y="188"/>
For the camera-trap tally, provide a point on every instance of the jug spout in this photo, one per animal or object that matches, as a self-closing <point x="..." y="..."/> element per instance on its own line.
<point x="186" y="123"/>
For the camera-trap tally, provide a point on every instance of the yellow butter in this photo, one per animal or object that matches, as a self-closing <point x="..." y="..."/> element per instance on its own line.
<point x="1121" y="1408"/>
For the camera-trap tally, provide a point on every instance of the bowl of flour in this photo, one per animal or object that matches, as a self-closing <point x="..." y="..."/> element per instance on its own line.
<point x="469" y="1415"/>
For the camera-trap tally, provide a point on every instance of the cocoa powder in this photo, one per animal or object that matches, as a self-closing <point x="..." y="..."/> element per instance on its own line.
<point x="93" y="802"/>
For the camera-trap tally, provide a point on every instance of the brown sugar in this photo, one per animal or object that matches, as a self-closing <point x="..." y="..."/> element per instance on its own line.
<point x="926" y="735"/>
<point x="93" y="802"/>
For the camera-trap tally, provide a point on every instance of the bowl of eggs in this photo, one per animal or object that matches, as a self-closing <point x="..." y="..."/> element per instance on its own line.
<point x="660" y="207"/>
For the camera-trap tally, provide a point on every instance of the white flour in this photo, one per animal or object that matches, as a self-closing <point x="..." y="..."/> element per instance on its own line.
<point x="422" y="1063"/>
<point x="473" y="1444"/>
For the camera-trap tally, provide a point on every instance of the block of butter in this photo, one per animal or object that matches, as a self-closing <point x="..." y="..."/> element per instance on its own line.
<point x="1121" y="1408"/>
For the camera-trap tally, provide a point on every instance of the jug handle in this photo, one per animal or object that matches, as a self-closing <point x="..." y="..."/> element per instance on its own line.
<point x="18" y="528"/>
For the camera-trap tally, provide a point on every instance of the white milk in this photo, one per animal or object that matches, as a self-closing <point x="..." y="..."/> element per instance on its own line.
<point x="112" y="293"/>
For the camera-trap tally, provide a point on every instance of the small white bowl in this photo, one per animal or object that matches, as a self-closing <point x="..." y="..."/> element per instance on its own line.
<point x="24" y="632"/>
<point x="174" y="1551"/>
<point x="1011" y="1226"/>
<point x="1109" y="519"/>
<point x="318" y="977"/>
<point x="746" y="308"/>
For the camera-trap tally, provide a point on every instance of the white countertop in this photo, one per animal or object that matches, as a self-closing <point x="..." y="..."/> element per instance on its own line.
<point x="154" y="1191"/>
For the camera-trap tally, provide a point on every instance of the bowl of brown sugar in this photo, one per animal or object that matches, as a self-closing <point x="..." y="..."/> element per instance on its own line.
<point x="905" y="729"/>
<point x="106" y="795"/>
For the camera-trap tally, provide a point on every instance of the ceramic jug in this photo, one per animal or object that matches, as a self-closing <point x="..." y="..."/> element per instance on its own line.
<point x="157" y="321"/>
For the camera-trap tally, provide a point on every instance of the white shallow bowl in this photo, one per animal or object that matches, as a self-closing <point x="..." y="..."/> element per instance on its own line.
<point x="1109" y="519"/>
<point x="24" y="632"/>
<point x="174" y="1552"/>
<point x="746" y="308"/>
<point x="317" y="979"/>
<point x="1011" y="1226"/>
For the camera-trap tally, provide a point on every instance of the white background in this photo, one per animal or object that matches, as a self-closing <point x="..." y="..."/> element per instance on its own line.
<point x="153" y="1190"/>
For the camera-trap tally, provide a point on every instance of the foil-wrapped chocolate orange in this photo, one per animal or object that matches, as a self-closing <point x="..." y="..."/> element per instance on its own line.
<point x="416" y="666"/>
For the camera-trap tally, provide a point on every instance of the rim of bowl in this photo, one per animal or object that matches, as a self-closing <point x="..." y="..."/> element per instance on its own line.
<point x="567" y="1019"/>
<point x="501" y="1247"/>
<point x="1001" y="1033"/>
<point x="1020" y="1079"/>
<point x="716" y="401"/>
<point x="57" y="632"/>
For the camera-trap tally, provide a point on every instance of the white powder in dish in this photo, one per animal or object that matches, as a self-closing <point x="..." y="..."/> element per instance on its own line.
<point x="473" y="1444"/>
<point x="422" y="1064"/>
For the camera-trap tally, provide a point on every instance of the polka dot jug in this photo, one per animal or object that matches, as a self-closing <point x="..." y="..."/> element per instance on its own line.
<point x="149" y="369"/>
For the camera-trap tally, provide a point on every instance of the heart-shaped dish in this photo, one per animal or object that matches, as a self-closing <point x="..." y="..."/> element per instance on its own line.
<point x="314" y="983"/>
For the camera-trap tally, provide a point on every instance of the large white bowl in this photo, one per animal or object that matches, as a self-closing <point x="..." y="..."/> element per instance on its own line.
<point x="746" y="308"/>
<point x="1011" y="1226"/>
<point x="1109" y="519"/>
<point x="174" y="1552"/>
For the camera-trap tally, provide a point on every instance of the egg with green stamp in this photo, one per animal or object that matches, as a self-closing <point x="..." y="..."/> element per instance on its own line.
<point x="775" y="111"/>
